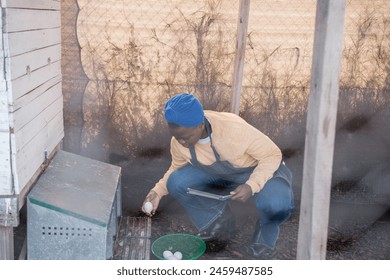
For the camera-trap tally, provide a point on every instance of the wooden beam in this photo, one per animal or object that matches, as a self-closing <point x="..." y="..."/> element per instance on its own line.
<point x="6" y="243"/>
<point x="238" y="71"/>
<point x="320" y="129"/>
<point x="38" y="39"/>
<point x="27" y="83"/>
<point x="27" y="63"/>
<point x="36" y="4"/>
<point x="31" y="19"/>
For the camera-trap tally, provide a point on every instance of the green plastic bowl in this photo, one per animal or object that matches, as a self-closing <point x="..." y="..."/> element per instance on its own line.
<point x="191" y="246"/>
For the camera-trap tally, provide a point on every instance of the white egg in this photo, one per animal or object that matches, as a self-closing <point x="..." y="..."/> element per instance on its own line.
<point x="178" y="255"/>
<point x="171" y="258"/>
<point x="148" y="207"/>
<point x="167" y="254"/>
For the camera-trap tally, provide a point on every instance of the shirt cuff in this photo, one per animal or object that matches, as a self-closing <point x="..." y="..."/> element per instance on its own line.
<point x="160" y="191"/>
<point x="254" y="186"/>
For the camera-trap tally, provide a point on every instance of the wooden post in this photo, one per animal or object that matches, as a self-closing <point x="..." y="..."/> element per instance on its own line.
<point x="6" y="187"/>
<point x="320" y="130"/>
<point x="6" y="243"/>
<point x="238" y="71"/>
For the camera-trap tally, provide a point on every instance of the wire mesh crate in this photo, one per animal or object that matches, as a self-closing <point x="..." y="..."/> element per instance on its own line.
<point x="73" y="210"/>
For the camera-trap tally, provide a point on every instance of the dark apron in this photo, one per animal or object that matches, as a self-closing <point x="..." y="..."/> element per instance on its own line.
<point x="226" y="171"/>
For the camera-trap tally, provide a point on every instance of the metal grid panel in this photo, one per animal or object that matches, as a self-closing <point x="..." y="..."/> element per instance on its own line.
<point x="73" y="209"/>
<point x="133" y="242"/>
<point x="52" y="235"/>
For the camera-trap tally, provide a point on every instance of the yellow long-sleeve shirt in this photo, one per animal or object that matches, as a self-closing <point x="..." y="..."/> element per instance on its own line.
<point x="237" y="142"/>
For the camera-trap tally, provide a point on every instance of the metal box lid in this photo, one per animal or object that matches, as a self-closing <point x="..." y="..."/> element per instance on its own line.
<point x="78" y="186"/>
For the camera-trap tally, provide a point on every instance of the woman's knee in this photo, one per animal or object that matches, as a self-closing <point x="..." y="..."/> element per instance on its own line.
<point x="174" y="182"/>
<point x="183" y="178"/>
<point x="188" y="177"/>
<point x="275" y="209"/>
<point x="276" y="200"/>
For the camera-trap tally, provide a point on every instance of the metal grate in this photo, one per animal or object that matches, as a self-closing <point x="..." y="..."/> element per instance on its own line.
<point x="133" y="242"/>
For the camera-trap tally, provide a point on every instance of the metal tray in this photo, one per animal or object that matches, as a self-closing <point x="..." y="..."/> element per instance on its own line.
<point x="209" y="195"/>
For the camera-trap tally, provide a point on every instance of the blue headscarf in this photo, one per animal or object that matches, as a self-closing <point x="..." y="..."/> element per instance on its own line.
<point x="184" y="110"/>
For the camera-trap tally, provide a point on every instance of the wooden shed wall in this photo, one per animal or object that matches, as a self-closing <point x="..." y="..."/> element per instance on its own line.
<point x="31" y="103"/>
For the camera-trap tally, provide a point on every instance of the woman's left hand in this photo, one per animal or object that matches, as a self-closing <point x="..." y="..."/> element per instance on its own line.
<point x="242" y="193"/>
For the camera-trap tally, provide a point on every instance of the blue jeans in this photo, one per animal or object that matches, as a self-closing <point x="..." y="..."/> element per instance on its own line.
<point x="274" y="203"/>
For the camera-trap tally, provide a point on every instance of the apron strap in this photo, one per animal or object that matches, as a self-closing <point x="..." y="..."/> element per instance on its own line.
<point x="208" y="130"/>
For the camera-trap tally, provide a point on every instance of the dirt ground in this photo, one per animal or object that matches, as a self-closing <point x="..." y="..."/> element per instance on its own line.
<point x="363" y="237"/>
<point x="360" y="237"/>
<point x="359" y="218"/>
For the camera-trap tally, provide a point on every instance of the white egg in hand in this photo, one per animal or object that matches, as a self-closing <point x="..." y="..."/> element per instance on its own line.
<point x="148" y="207"/>
<point x="178" y="255"/>
<point x="167" y="254"/>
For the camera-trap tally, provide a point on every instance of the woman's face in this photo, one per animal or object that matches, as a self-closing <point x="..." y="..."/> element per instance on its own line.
<point x="187" y="136"/>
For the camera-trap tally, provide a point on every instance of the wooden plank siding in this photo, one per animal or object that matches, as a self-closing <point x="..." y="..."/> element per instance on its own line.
<point x="18" y="66"/>
<point x="21" y="19"/>
<point x="32" y="4"/>
<point x="5" y="145"/>
<point x="31" y="40"/>
<point x="25" y="84"/>
<point x="32" y="104"/>
<point x="29" y="159"/>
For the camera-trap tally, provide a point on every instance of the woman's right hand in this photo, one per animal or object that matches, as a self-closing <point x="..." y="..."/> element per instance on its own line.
<point x="153" y="198"/>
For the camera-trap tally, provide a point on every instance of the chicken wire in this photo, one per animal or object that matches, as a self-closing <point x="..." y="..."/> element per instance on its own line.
<point x="122" y="59"/>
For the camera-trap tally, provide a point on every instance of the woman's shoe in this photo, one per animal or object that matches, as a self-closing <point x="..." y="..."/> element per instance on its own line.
<point x="256" y="250"/>
<point x="221" y="229"/>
